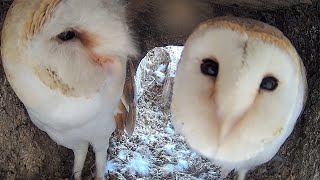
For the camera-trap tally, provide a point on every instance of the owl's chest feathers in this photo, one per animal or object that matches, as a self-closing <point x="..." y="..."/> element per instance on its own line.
<point x="61" y="107"/>
<point x="69" y="117"/>
<point x="72" y="113"/>
<point x="72" y="127"/>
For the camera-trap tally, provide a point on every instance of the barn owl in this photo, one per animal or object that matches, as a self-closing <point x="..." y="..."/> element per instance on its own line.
<point x="66" y="61"/>
<point x="239" y="89"/>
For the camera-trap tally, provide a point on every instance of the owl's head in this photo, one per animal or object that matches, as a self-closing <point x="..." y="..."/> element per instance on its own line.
<point x="73" y="46"/>
<point x="239" y="89"/>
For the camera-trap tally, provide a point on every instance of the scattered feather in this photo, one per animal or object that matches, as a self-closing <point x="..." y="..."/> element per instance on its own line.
<point x="139" y="165"/>
<point x="111" y="166"/>
<point x="161" y="68"/>
<point x="169" y="130"/>
<point x="168" y="168"/>
<point x="169" y="148"/>
<point x="182" y="165"/>
<point x="122" y="155"/>
<point x="160" y="76"/>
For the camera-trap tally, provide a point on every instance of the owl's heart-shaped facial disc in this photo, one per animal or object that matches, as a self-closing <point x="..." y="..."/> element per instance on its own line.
<point x="239" y="89"/>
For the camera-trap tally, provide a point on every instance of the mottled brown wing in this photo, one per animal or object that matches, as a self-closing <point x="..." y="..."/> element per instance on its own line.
<point x="126" y="121"/>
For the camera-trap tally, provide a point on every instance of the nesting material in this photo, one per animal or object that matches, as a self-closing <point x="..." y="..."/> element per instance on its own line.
<point x="155" y="151"/>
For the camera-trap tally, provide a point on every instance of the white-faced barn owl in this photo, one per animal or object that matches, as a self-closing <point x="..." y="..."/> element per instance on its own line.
<point x="66" y="61"/>
<point x="239" y="89"/>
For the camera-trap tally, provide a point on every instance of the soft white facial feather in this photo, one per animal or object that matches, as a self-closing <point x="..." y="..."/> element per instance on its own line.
<point x="230" y="119"/>
<point x="66" y="93"/>
<point x="69" y="59"/>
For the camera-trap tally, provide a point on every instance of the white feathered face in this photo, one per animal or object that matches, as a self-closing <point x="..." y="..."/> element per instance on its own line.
<point x="235" y="96"/>
<point x="81" y="46"/>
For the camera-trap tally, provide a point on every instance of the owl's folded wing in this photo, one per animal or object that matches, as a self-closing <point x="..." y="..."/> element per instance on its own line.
<point x="127" y="119"/>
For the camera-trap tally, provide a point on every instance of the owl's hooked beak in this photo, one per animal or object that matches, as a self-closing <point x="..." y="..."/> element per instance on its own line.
<point x="232" y="109"/>
<point x="226" y="124"/>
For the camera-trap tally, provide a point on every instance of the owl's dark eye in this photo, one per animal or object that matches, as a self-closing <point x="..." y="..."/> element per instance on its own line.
<point x="67" y="35"/>
<point x="210" y="67"/>
<point x="269" y="83"/>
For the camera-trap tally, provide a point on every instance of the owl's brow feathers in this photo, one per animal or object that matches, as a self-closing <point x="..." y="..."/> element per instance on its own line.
<point x="43" y="13"/>
<point x="254" y="29"/>
<point x="39" y="17"/>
